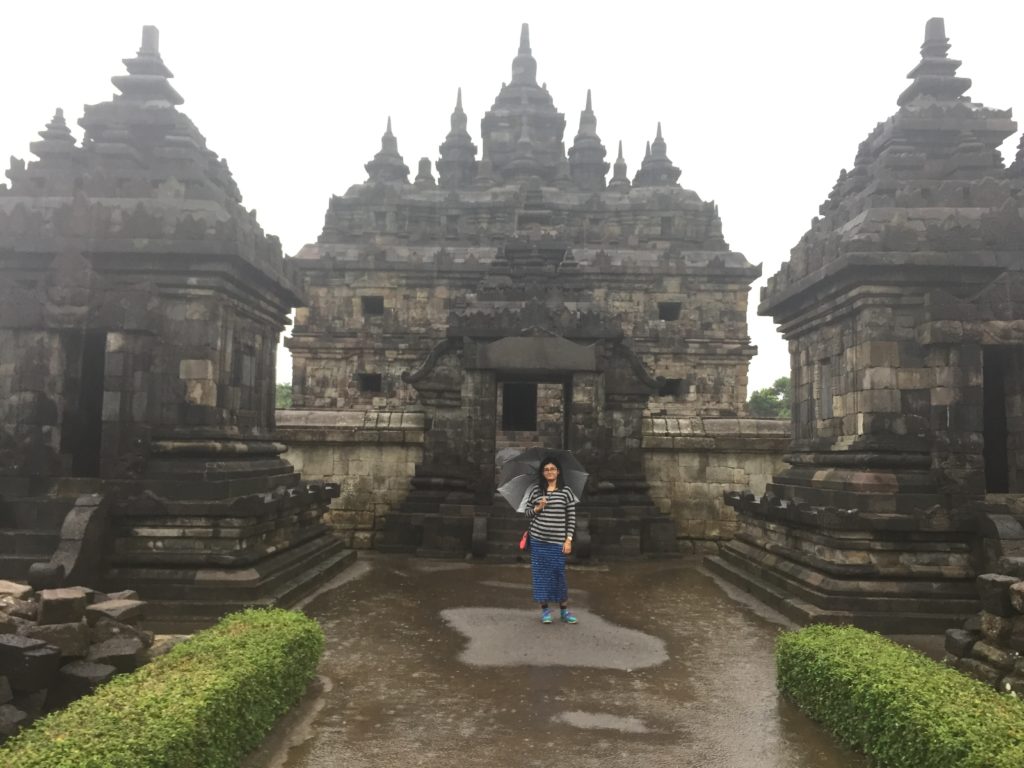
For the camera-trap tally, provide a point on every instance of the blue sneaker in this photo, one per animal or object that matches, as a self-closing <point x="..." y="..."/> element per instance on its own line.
<point x="545" y="616"/>
<point x="567" y="616"/>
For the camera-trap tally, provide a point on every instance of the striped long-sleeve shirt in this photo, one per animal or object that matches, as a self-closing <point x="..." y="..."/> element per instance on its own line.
<point x="558" y="518"/>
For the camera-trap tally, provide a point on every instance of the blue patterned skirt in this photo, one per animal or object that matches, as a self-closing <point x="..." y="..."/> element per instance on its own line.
<point x="547" y="564"/>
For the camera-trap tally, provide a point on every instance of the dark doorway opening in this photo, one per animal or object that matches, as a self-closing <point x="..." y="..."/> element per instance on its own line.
<point x="519" y="406"/>
<point x="82" y="425"/>
<point x="996" y="364"/>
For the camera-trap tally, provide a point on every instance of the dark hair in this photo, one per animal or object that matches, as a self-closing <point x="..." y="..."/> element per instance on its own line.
<point x="542" y="482"/>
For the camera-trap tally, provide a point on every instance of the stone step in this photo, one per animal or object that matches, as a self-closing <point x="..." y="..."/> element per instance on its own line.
<point x="35" y="514"/>
<point x="28" y="542"/>
<point x="800" y="602"/>
<point x="15" y="567"/>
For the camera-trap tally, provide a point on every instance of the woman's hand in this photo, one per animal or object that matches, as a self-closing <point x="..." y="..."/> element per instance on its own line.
<point x="567" y="547"/>
<point x="541" y="504"/>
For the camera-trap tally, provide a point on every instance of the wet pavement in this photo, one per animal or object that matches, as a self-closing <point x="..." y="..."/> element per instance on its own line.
<point x="446" y="664"/>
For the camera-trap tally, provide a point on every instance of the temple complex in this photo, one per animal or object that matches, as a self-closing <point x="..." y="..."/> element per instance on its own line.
<point x="903" y="306"/>
<point x="517" y="295"/>
<point x="140" y="307"/>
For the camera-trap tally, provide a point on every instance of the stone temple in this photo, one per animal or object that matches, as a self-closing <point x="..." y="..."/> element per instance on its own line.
<point x="518" y="295"/>
<point x="904" y="310"/>
<point x="140" y="307"/>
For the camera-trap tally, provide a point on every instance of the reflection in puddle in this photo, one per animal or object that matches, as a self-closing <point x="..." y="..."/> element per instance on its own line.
<point x="504" y="637"/>
<point x="601" y="721"/>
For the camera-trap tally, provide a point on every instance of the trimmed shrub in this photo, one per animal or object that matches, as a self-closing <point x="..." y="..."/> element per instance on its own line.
<point x="207" y="702"/>
<point x="900" y="708"/>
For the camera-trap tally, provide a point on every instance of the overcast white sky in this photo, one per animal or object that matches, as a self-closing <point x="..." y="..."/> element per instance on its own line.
<point x="761" y="104"/>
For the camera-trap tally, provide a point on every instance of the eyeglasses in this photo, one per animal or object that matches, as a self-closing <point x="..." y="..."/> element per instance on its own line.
<point x="550" y="469"/>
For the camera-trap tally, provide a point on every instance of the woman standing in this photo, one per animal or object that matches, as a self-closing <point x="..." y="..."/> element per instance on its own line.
<point x="551" y="512"/>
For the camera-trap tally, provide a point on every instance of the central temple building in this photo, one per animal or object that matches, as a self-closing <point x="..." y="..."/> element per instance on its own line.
<point x="520" y="297"/>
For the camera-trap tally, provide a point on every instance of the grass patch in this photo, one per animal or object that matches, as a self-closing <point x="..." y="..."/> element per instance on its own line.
<point x="207" y="703"/>
<point x="900" y="708"/>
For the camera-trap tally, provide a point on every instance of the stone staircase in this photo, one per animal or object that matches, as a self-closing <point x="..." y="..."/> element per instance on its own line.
<point x="29" y="532"/>
<point x="505" y="527"/>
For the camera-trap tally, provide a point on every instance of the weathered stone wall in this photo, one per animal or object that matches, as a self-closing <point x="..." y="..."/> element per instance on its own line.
<point x="371" y="455"/>
<point x="989" y="647"/>
<point x="691" y="462"/>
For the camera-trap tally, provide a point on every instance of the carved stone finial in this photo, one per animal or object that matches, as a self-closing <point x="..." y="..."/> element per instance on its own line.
<point x="524" y="66"/>
<point x="620" y="178"/>
<point x="935" y="75"/>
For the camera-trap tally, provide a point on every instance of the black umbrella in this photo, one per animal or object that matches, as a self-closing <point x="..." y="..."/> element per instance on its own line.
<point x="520" y="472"/>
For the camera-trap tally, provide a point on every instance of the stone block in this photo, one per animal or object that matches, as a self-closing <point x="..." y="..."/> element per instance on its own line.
<point x="992" y="655"/>
<point x="15" y="590"/>
<point x="124" y="594"/>
<point x="11" y="720"/>
<point x="107" y="629"/>
<point x="34" y="665"/>
<point x="1017" y="596"/>
<point x="5" y="690"/>
<point x="995" y="628"/>
<point x="994" y="593"/>
<point x="123" y="653"/>
<point x="61" y="606"/>
<point x="125" y="611"/>
<point x="71" y="639"/>
<point x="979" y="670"/>
<point x="77" y="679"/>
<point x="195" y="369"/>
<point x="960" y="641"/>
<point x="22" y="609"/>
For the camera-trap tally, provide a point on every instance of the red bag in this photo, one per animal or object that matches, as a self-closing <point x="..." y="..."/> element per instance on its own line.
<point x="523" y="541"/>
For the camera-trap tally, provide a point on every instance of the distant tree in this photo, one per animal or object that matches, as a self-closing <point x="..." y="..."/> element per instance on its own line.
<point x="774" y="402"/>
<point x="284" y="395"/>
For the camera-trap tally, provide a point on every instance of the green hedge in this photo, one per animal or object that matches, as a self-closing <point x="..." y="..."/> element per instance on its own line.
<point x="206" y="703"/>
<point x="899" y="707"/>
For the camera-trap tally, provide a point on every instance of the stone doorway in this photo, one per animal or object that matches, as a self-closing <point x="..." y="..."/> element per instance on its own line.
<point x="1003" y="407"/>
<point x="82" y="424"/>
<point x="532" y="413"/>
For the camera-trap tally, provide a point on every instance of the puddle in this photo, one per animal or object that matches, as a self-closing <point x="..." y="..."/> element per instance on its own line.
<point x="596" y="721"/>
<point x="504" y="637"/>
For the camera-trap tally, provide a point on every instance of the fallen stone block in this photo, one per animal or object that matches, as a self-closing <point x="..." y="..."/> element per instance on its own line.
<point x="124" y="594"/>
<point x="11" y="719"/>
<point x="31" y="703"/>
<point x="6" y="694"/>
<point x="72" y="639"/>
<point x="15" y="590"/>
<point x="959" y="641"/>
<point x="39" y="667"/>
<point x="61" y="606"/>
<point x="124" y="654"/>
<point x="994" y="593"/>
<point x="75" y="680"/>
<point x="12" y="651"/>
<point x="1017" y="596"/>
<point x="23" y="609"/>
<point x="108" y="629"/>
<point x="123" y="611"/>
<point x="995" y="628"/>
<point x="980" y="671"/>
<point x="992" y="655"/>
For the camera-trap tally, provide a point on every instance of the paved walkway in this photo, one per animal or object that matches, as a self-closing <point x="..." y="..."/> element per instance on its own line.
<point x="446" y="664"/>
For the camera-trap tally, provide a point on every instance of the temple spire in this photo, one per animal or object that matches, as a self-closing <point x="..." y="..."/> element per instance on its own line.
<point x="387" y="165"/>
<point x="935" y="75"/>
<point x="524" y="66"/>
<point x="620" y="178"/>
<point x="457" y="165"/>
<point x="586" y="155"/>
<point x="656" y="170"/>
<point x="147" y="78"/>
